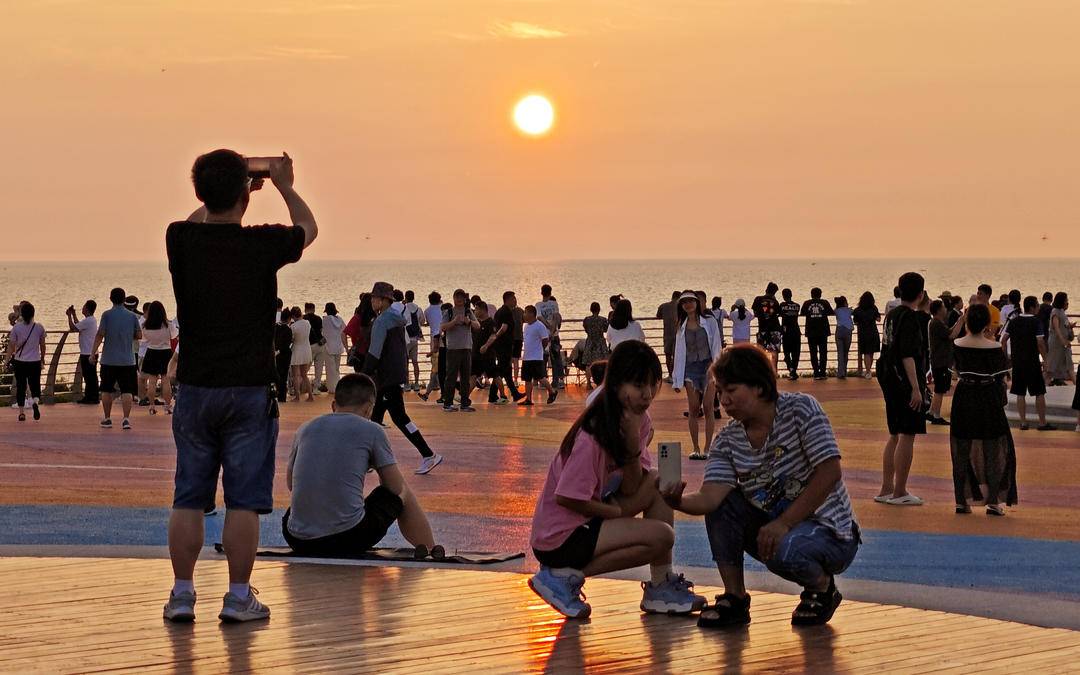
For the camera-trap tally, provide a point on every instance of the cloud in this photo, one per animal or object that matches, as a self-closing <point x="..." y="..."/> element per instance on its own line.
<point x="512" y="30"/>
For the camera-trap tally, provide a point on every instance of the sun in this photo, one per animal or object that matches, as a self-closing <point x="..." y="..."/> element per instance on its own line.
<point x="534" y="115"/>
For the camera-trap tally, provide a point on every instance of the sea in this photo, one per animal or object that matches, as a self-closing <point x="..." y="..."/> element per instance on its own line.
<point x="53" y="286"/>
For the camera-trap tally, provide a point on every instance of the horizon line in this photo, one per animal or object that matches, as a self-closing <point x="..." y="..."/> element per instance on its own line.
<point x="26" y="261"/>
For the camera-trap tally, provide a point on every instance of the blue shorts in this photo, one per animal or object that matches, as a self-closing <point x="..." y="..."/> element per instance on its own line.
<point x="227" y="429"/>
<point x="697" y="374"/>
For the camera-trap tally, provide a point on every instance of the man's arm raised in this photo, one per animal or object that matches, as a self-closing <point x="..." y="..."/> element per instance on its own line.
<point x="281" y="174"/>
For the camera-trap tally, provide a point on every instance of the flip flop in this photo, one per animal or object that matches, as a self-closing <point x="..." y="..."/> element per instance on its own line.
<point x="906" y="500"/>
<point x="882" y="499"/>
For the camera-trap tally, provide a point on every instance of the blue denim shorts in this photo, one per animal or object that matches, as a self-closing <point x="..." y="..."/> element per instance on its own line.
<point x="230" y="430"/>
<point x="697" y="374"/>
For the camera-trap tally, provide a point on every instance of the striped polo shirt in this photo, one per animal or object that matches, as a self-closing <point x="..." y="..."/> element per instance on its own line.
<point x="773" y="477"/>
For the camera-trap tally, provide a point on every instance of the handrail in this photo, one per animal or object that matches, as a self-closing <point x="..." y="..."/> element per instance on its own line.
<point x="49" y="394"/>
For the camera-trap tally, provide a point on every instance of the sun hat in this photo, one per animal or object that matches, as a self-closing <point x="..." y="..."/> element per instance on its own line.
<point x="688" y="295"/>
<point x="383" y="289"/>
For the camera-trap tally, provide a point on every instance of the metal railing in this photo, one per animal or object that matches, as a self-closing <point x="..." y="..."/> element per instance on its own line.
<point x="63" y="378"/>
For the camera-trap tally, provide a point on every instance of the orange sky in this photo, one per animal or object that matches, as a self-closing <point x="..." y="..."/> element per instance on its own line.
<point x="705" y="129"/>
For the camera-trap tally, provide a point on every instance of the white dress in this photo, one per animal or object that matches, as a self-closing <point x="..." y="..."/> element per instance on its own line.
<point x="301" y="343"/>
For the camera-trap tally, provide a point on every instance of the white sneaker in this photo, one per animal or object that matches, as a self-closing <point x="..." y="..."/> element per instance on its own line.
<point x="235" y="609"/>
<point x="180" y="608"/>
<point x="429" y="463"/>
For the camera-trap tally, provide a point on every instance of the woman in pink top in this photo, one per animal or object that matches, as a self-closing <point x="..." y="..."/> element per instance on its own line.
<point x="585" y="521"/>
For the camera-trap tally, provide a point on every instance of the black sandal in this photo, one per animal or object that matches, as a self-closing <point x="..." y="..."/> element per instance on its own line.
<point x="736" y="612"/>
<point x="816" y="607"/>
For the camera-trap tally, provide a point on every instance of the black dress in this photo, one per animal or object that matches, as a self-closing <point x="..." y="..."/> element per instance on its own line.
<point x="866" y="318"/>
<point x="978" y="414"/>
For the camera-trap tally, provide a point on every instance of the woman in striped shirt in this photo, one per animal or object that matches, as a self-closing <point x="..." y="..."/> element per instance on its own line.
<point x="772" y="489"/>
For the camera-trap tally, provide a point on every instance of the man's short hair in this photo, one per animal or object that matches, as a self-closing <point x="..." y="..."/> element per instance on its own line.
<point x="787" y="294"/>
<point x="1048" y="297"/>
<point x="409" y="296"/>
<point x="985" y="289"/>
<point x="1014" y="297"/>
<point x="1031" y="303"/>
<point x="398" y="295"/>
<point x="746" y="364"/>
<point x="545" y="290"/>
<point x="529" y="309"/>
<point x="772" y="288"/>
<point x="896" y="291"/>
<point x="507" y="295"/>
<point x="91" y="306"/>
<point x="309" y="307"/>
<point x="354" y="390"/>
<point x="434" y="298"/>
<point x="220" y="178"/>
<point x="911" y="284"/>
<point x="116" y="296"/>
<point x="815" y="293"/>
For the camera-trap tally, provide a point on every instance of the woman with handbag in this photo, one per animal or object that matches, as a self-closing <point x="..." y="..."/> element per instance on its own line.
<point x="26" y="349"/>
<point x="987" y="469"/>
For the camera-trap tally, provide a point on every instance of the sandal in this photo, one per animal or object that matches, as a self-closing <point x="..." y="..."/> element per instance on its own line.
<point x="816" y="607"/>
<point x="995" y="510"/>
<point x="962" y="509"/>
<point x="22" y="417"/>
<point x="698" y="455"/>
<point x="734" y="611"/>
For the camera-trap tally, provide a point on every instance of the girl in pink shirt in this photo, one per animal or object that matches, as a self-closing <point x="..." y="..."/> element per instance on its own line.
<point x="585" y="521"/>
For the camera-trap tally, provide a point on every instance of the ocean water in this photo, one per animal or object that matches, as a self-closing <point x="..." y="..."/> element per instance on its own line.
<point x="52" y="286"/>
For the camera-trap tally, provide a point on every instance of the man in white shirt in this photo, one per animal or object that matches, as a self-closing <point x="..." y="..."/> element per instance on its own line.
<point x="895" y="302"/>
<point x="86" y="327"/>
<point x="534" y="370"/>
<point x="433" y="319"/>
<point x="414" y="319"/>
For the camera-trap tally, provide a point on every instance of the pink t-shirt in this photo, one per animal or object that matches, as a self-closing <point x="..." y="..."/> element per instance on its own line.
<point x="582" y="476"/>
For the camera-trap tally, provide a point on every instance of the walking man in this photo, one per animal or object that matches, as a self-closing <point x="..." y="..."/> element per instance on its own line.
<point x="226" y="413"/>
<point x="386" y="364"/>
<point x="119" y="330"/>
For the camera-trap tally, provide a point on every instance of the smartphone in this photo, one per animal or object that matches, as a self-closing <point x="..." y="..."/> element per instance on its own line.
<point x="259" y="167"/>
<point x="670" y="464"/>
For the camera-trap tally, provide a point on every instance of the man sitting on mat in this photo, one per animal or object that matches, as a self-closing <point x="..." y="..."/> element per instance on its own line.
<point x="772" y="489"/>
<point x="329" y="515"/>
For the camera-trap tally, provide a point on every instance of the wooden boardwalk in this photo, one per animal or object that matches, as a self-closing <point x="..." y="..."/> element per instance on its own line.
<point x="93" y="615"/>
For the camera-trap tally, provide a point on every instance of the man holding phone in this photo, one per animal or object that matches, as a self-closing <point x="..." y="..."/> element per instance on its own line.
<point x="226" y="413"/>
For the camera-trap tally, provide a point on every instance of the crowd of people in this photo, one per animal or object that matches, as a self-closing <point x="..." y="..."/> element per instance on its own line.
<point x="772" y="486"/>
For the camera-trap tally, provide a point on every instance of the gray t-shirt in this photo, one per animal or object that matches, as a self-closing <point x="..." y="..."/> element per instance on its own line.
<point x="119" y="326"/>
<point x="330" y="457"/>
<point x="460" y="336"/>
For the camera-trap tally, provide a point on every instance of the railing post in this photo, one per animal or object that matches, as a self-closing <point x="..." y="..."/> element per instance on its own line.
<point x="50" y="381"/>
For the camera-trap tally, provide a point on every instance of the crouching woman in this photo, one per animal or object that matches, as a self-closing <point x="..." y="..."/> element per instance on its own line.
<point x="773" y="489"/>
<point x="599" y="481"/>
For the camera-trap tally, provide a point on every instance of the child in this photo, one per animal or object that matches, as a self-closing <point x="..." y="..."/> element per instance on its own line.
<point x="534" y="368"/>
<point x="598" y="482"/>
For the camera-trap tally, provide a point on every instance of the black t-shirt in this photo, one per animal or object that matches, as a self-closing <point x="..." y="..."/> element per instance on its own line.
<point x="283" y="338"/>
<point x="766" y="308"/>
<point x="504" y="317"/>
<point x="1045" y="311"/>
<point x="224" y="279"/>
<point x="789" y="315"/>
<point x="866" y="319"/>
<point x="817" y="313"/>
<point x="315" y="337"/>
<point x="941" y="345"/>
<point x="954" y="316"/>
<point x="1024" y="332"/>
<point x="901" y="338"/>
<point x="480" y="337"/>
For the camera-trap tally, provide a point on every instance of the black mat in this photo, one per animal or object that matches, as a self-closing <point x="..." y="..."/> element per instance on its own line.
<point x="394" y="554"/>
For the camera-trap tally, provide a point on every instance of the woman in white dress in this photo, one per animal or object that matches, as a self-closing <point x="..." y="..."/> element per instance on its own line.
<point x="301" y="355"/>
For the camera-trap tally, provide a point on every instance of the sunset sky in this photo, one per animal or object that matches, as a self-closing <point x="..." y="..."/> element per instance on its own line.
<point x="699" y="129"/>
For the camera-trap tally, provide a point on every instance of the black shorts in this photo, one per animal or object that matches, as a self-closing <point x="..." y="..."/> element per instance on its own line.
<point x="770" y="340"/>
<point x="156" y="361"/>
<point x="942" y="380"/>
<point x="517" y="348"/>
<point x="123" y="376"/>
<point x="533" y="371"/>
<point x="1027" y="381"/>
<point x="577" y="551"/>
<point x="899" y="416"/>
<point x="484" y="364"/>
<point x="381" y="508"/>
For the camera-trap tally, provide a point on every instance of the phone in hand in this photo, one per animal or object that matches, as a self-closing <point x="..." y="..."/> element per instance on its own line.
<point x="259" y="167"/>
<point x="670" y="464"/>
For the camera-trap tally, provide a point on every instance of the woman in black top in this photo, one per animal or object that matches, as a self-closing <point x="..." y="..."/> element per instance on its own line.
<point x="978" y="414"/>
<point x="866" y="316"/>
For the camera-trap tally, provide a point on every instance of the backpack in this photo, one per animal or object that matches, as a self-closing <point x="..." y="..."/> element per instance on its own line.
<point x="412" y="328"/>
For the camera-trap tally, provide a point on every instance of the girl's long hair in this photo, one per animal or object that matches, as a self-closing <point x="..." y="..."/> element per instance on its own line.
<point x="682" y="313"/>
<point x="623" y="314"/>
<point x="631" y="362"/>
<point x="155" y="316"/>
<point x="741" y="312"/>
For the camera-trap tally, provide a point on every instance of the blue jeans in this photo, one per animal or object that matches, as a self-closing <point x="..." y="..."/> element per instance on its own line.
<point x="227" y="429"/>
<point x="807" y="553"/>
<point x="843" y="347"/>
